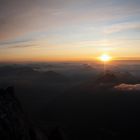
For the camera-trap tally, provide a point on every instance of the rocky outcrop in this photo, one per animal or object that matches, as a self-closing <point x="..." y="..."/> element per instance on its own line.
<point x="14" y="124"/>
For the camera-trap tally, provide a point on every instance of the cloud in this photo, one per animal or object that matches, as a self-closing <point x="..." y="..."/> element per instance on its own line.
<point x="128" y="87"/>
<point x="122" y="27"/>
<point x="94" y="43"/>
<point x="22" y="46"/>
<point x="19" y="18"/>
<point x="12" y="42"/>
<point x="19" y="43"/>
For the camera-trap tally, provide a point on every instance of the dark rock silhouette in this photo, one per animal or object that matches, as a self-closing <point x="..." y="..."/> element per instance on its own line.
<point x="14" y="124"/>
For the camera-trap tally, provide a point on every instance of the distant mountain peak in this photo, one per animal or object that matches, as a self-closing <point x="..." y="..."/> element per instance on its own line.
<point x="108" y="77"/>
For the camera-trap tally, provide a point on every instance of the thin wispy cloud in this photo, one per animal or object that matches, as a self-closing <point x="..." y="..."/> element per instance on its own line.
<point x="22" y="46"/>
<point x="12" y="42"/>
<point x="122" y="27"/>
<point x="18" y="18"/>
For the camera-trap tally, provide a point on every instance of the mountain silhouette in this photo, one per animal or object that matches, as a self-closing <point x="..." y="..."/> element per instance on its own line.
<point x="116" y="77"/>
<point x="108" y="77"/>
<point x="53" y="76"/>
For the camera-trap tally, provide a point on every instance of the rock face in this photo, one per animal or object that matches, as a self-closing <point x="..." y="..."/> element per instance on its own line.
<point x="14" y="125"/>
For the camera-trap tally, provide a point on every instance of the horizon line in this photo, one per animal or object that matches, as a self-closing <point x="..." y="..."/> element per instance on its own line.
<point x="57" y="61"/>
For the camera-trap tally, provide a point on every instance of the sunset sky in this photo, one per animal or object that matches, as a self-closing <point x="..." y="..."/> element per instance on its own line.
<point x="53" y="30"/>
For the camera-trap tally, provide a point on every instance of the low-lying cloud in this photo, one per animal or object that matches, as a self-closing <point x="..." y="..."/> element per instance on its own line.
<point x="128" y="87"/>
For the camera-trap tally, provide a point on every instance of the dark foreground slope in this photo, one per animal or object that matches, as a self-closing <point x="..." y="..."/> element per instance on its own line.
<point x="14" y="124"/>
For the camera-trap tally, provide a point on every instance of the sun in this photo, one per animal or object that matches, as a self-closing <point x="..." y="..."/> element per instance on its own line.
<point x="105" y="57"/>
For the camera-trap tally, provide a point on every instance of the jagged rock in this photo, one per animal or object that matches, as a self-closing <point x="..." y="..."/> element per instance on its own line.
<point x="14" y="124"/>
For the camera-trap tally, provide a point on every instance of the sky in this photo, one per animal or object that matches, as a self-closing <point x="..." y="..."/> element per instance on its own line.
<point x="61" y="30"/>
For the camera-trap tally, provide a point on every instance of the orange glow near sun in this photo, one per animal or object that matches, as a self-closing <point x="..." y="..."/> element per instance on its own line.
<point x="105" y="58"/>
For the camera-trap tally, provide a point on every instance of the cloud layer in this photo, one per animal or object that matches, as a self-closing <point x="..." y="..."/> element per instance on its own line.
<point x="128" y="87"/>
